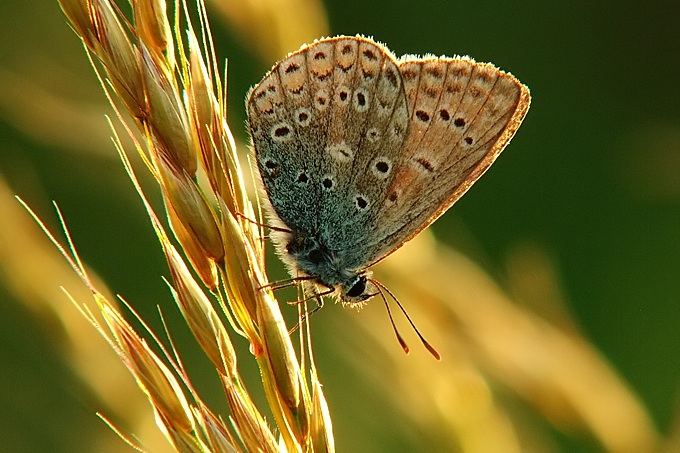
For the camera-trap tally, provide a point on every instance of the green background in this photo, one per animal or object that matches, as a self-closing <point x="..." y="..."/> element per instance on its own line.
<point x="592" y="177"/>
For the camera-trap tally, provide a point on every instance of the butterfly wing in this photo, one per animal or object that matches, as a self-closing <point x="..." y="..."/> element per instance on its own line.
<point x="462" y="115"/>
<point x="317" y="121"/>
<point x="362" y="152"/>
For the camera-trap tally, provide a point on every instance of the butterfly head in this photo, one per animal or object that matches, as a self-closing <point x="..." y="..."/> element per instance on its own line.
<point x="358" y="289"/>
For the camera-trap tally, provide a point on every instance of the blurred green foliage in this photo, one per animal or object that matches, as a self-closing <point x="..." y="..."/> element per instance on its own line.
<point x="592" y="177"/>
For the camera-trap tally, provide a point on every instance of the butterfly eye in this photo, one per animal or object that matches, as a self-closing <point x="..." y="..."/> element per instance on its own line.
<point x="358" y="288"/>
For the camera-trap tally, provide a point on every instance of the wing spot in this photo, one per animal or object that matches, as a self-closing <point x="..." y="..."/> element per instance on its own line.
<point x="444" y="115"/>
<point x="432" y="92"/>
<point x="321" y="99"/>
<point x="342" y="95"/>
<point x="392" y="77"/>
<point x="368" y="75"/>
<point x="340" y="152"/>
<point x="273" y="168"/>
<point x="427" y="165"/>
<point x="360" y="101"/>
<point x="319" y="56"/>
<point x="368" y="53"/>
<point x="468" y="140"/>
<point x="392" y="197"/>
<point x="454" y="88"/>
<point x="435" y="71"/>
<point x="281" y="132"/>
<point x="408" y="74"/>
<point x="381" y="167"/>
<point x="422" y="116"/>
<point x="302" y="178"/>
<point x="373" y="135"/>
<point x="293" y="67"/>
<point x="362" y="203"/>
<point x="303" y="116"/>
<point x="327" y="183"/>
<point x="346" y="49"/>
<point x="346" y="68"/>
<point x="459" y="122"/>
<point x="486" y="77"/>
<point x="298" y="90"/>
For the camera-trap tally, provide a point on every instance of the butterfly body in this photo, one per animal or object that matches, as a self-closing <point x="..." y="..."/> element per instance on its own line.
<point x="359" y="151"/>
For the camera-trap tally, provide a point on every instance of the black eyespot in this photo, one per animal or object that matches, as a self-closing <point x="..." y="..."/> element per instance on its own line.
<point x="282" y="131"/>
<point x="361" y="99"/>
<point x="362" y="203"/>
<point x="302" y="178"/>
<point x="468" y="140"/>
<point x="343" y="95"/>
<point x="327" y="183"/>
<point x="273" y="169"/>
<point x="382" y="167"/>
<point x="422" y="116"/>
<point x="358" y="288"/>
<point x="302" y="117"/>
<point x="459" y="122"/>
<point x="444" y="114"/>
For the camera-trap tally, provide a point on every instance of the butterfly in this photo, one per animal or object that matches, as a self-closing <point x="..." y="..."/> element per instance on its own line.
<point x="359" y="151"/>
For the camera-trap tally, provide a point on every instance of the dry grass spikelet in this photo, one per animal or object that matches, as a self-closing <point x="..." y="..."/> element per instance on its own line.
<point x="169" y="97"/>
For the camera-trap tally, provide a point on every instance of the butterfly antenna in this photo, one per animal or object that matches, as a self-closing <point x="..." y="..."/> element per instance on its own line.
<point x="431" y="349"/>
<point x="400" y="339"/>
